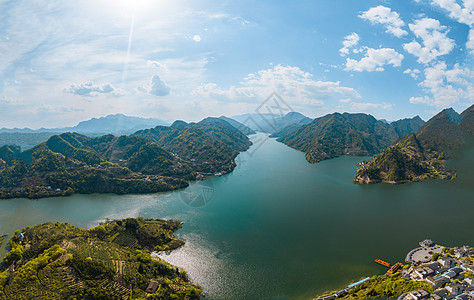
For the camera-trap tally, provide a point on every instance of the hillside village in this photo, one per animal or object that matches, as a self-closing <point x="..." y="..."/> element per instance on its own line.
<point x="436" y="272"/>
<point x="448" y="271"/>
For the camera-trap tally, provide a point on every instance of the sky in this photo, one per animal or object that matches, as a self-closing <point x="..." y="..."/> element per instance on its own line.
<point x="62" y="62"/>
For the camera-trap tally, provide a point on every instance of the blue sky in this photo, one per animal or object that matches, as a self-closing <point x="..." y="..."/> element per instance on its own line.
<point x="62" y="62"/>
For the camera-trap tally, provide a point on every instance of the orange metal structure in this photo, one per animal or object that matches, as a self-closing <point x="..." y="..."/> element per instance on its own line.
<point x="383" y="263"/>
<point x="394" y="268"/>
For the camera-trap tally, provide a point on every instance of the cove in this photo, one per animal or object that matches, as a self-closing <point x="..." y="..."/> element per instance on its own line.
<point x="278" y="227"/>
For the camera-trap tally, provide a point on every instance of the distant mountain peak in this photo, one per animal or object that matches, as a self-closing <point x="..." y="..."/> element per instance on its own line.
<point x="179" y="124"/>
<point x="452" y="115"/>
<point x="294" y="114"/>
<point x="239" y="126"/>
<point x="417" y="117"/>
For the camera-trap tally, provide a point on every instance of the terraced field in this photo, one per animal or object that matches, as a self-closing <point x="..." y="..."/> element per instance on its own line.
<point x="111" y="261"/>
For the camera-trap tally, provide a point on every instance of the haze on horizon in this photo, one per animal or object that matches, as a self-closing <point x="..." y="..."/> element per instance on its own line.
<point x="64" y="62"/>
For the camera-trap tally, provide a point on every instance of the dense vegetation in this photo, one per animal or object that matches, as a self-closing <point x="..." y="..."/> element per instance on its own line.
<point x="71" y="162"/>
<point x="207" y="146"/>
<point x="347" y="134"/>
<point x="385" y="286"/>
<point x="111" y="261"/>
<point x="155" y="160"/>
<point x="421" y="155"/>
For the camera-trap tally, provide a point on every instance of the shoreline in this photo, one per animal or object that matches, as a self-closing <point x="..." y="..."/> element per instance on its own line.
<point x="432" y="270"/>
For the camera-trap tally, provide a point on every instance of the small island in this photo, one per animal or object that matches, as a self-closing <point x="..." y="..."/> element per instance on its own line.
<point x="432" y="272"/>
<point x="110" y="261"/>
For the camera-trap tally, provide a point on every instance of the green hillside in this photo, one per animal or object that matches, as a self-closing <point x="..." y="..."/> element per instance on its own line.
<point x="422" y="155"/>
<point x="152" y="160"/>
<point x="73" y="163"/>
<point x="346" y="134"/>
<point x="111" y="261"/>
<point x="208" y="146"/>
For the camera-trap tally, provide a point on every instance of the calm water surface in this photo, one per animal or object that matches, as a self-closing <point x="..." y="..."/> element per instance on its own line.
<point x="278" y="227"/>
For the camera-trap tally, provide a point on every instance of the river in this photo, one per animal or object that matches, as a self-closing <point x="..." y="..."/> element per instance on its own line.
<point x="278" y="227"/>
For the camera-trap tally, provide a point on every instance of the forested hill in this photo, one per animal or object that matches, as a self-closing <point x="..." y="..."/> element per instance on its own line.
<point x="422" y="155"/>
<point x="160" y="159"/>
<point x="338" y="134"/>
<point x="73" y="163"/>
<point x="209" y="145"/>
<point x="110" y="261"/>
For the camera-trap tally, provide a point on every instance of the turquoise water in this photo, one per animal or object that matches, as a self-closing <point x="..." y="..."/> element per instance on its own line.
<point x="278" y="227"/>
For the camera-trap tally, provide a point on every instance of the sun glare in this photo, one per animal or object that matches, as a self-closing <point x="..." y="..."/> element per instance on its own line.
<point x="133" y="6"/>
<point x="136" y="4"/>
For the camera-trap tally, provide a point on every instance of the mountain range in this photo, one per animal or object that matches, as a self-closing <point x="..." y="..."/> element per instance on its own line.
<point x="339" y="134"/>
<point x="164" y="158"/>
<point x="117" y="124"/>
<point x="159" y="159"/>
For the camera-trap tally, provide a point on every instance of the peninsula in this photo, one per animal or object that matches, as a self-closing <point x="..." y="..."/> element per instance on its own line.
<point x="110" y="261"/>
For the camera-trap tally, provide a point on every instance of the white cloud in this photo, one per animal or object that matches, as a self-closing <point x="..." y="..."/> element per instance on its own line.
<point x="349" y="41"/>
<point x="296" y="86"/>
<point x="156" y="87"/>
<point x="412" y="72"/>
<point x="374" y="60"/>
<point x="470" y="41"/>
<point x="385" y="16"/>
<point x="10" y="101"/>
<point x="90" y="89"/>
<point x="463" y="14"/>
<point x="367" y="106"/>
<point x="62" y="41"/>
<point x="446" y="86"/>
<point x="197" y="38"/>
<point x="420" y="100"/>
<point x="157" y="64"/>
<point x="435" y="40"/>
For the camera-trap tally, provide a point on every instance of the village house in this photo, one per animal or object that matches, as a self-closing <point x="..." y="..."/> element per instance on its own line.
<point x="447" y="262"/>
<point x="454" y="289"/>
<point x="152" y="287"/>
<point x="424" y="272"/>
<point x="418" y="295"/>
